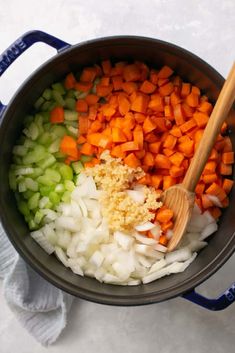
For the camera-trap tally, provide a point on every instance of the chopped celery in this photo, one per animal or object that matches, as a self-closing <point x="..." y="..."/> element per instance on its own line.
<point x="54" y="146"/>
<point x="80" y="95"/>
<point x="66" y="172"/>
<point x="31" y="184"/>
<point x="45" y="190"/>
<point x="46" y="106"/>
<point x="59" y="155"/>
<point x="38" y="103"/>
<point x="33" y="131"/>
<point x="24" y="171"/>
<point x="44" y="202"/>
<point x="85" y="159"/>
<point x="47" y="94"/>
<point x="27" y="194"/>
<point x="59" y="188"/>
<point x="45" y="180"/>
<point x="22" y="186"/>
<point x="71" y="123"/>
<point x="58" y="130"/>
<point x="23" y="207"/>
<point x="29" y="143"/>
<point x="32" y="225"/>
<point x="58" y="87"/>
<point x="69" y="185"/>
<point x="73" y="131"/>
<point x="33" y="201"/>
<point x="20" y="150"/>
<point x="58" y="98"/>
<point x="77" y="167"/>
<point x="54" y="197"/>
<point x="34" y="156"/>
<point x="45" y="116"/>
<point x="70" y="103"/>
<point x="36" y="172"/>
<point x="47" y="161"/>
<point x="70" y="115"/>
<point x="45" y="139"/>
<point x="66" y="196"/>
<point x="38" y="217"/>
<point x="53" y="175"/>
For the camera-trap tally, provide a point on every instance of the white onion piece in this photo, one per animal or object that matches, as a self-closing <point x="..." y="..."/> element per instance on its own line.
<point x="97" y="258"/>
<point x="147" y="251"/>
<point x="144" y="240"/>
<point x="160" y="248"/>
<point x="40" y="238"/>
<point x="124" y="240"/>
<point x="188" y="262"/>
<point x="197" y="245"/>
<point x="68" y="223"/>
<point x="134" y="282"/>
<point x="61" y="256"/>
<point x="215" y="200"/>
<point x="136" y="195"/>
<point x="145" y="227"/>
<point x="157" y="266"/>
<point x="169" y="233"/>
<point x="178" y="255"/>
<point x="210" y="229"/>
<point x="156" y="231"/>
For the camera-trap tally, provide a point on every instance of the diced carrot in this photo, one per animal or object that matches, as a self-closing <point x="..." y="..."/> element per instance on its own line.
<point x="123" y="105"/>
<point x="140" y="154"/>
<point x="99" y="140"/>
<point x="201" y="119"/>
<point x="168" y="181"/>
<point x="166" y="89"/>
<point x="168" y="112"/>
<point x="96" y="126"/>
<point x="68" y="145"/>
<point x="153" y="76"/>
<point x="131" y="73"/>
<point x="130" y="146"/>
<point x="206" y="202"/>
<point x="188" y="125"/>
<point x="151" y="137"/>
<point x="108" y="110"/>
<point x="228" y="157"/>
<point x="81" y="139"/>
<point x="192" y="100"/>
<point x="103" y="91"/>
<point x="106" y="66"/>
<point x="185" y="89"/>
<point x="185" y="164"/>
<point x="128" y="133"/>
<point x="163" y="240"/>
<point x="200" y="188"/>
<point x="88" y="74"/>
<point x="210" y="167"/>
<point x="170" y="142"/>
<point x="225" y="202"/>
<point x="117" y="83"/>
<point x="164" y="215"/>
<point x="186" y="148"/>
<point x="149" y="125"/>
<point x="57" y="115"/>
<point x="147" y="87"/>
<point x="209" y="178"/>
<point x="138" y="136"/>
<point x="214" y="155"/>
<point x="148" y="159"/>
<point x="105" y="81"/>
<point x="165" y="72"/>
<point x="81" y="106"/>
<point x="154" y="147"/>
<point x="156" y="181"/>
<point x="83" y="124"/>
<point x="162" y="161"/>
<point x="139" y="117"/>
<point x="177" y="158"/>
<point x="118" y="135"/>
<point x="175" y="99"/>
<point x="205" y="107"/>
<point x="178" y="114"/>
<point x="132" y="161"/>
<point x="87" y="149"/>
<point x="225" y="169"/>
<point x="176" y="172"/>
<point x="216" y="190"/>
<point x="88" y="164"/>
<point x="83" y="86"/>
<point x="224" y="127"/>
<point x="129" y="87"/>
<point x="167" y="152"/>
<point x="161" y="124"/>
<point x="91" y="99"/>
<point x="175" y="131"/>
<point x="70" y="81"/>
<point x="166" y="226"/>
<point x="199" y="202"/>
<point x="145" y="180"/>
<point x="227" y="185"/>
<point x="117" y="151"/>
<point x="227" y="144"/>
<point x="196" y="90"/>
<point x="140" y="103"/>
<point x="215" y="212"/>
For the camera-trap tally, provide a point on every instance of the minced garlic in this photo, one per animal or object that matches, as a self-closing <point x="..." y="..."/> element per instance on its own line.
<point x="120" y="210"/>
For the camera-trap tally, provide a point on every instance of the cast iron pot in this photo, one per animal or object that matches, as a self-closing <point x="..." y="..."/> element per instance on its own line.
<point x="71" y="58"/>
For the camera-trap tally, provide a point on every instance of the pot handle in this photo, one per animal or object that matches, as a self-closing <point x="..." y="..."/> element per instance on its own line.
<point x="22" y="44"/>
<point x="220" y="303"/>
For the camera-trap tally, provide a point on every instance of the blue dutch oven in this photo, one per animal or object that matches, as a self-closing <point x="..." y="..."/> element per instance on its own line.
<point x="72" y="58"/>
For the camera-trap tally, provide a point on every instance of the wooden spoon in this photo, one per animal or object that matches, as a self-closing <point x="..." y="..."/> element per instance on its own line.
<point x="180" y="198"/>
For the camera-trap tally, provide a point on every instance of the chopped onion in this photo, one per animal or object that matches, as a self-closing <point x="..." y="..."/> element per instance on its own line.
<point x="215" y="200"/>
<point x="136" y="195"/>
<point x="145" y="227"/>
<point x="178" y="255"/>
<point x="40" y="238"/>
<point x="210" y="229"/>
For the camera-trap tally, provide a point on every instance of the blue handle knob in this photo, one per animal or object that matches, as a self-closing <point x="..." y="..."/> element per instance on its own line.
<point x="22" y="44"/>
<point x="220" y="303"/>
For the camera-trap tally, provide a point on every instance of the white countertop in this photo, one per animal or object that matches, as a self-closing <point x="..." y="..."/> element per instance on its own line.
<point x="204" y="27"/>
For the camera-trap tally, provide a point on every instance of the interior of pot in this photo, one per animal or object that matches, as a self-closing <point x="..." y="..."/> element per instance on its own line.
<point x="155" y="53"/>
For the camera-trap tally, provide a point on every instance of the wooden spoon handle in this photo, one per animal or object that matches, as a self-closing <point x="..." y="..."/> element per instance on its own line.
<point x="218" y="116"/>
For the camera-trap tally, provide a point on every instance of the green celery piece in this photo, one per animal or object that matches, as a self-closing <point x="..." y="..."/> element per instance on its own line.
<point x="23" y="208"/>
<point x="46" y="117"/>
<point x="19" y="150"/>
<point x="48" y="161"/>
<point x="31" y="184"/>
<point x="33" y="201"/>
<point x="29" y="143"/>
<point x="45" y="180"/>
<point x="54" y="197"/>
<point x="73" y="131"/>
<point x="27" y="194"/>
<point x="22" y="186"/>
<point x="59" y="155"/>
<point x="54" y="146"/>
<point x="38" y="103"/>
<point x="53" y="175"/>
<point x="69" y="185"/>
<point x="77" y="167"/>
<point x="45" y="139"/>
<point x="38" y="217"/>
<point x="70" y="115"/>
<point x="58" y="98"/>
<point x="70" y="103"/>
<point x="47" y="94"/>
<point x="58" y="130"/>
<point x="32" y="225"/>
<point x="36" y="172"/>
<point x="46" y="106"/>
<point x="66" y="172"/>
<point x="58" y="87"/>
<point x="59" y="188"/>
<point x="45" y="190"/>
<point x="36" y="155"/>
<point x="66" y="196"/>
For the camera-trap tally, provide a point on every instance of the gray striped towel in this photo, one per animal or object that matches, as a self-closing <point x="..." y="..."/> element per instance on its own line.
<point x="40" y="307"/>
